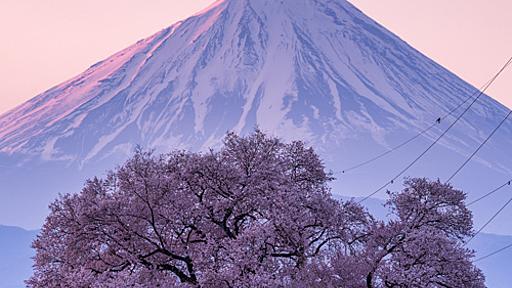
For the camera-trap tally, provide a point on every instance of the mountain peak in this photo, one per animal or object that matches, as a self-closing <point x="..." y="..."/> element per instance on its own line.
<point x="307" y="66"/>
<point x="291" y="61"/>
<point x="315" y="70"/>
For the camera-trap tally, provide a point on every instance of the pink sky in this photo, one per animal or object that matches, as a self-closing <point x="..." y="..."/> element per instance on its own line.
<point x="47" y="42"/>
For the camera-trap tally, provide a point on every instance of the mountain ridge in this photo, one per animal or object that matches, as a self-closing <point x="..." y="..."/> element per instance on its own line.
<point x="313" y="70"/>
<point x="132" y="60"/>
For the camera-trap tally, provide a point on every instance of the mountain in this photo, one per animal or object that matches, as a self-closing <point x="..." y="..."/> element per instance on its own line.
<point x="316" y="70"/>
<point x="15" y="256"/>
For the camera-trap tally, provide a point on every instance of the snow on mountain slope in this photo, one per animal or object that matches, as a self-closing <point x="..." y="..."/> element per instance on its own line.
<point x="317" y="70"/>
<point x="316" y="66"/>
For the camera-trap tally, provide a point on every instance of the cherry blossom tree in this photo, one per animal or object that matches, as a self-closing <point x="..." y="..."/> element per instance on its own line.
<point x="422" y="246"/>
<point x="256" y="213"/>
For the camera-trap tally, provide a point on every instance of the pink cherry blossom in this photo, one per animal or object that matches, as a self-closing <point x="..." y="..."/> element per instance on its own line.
<point x="257" y="213"/>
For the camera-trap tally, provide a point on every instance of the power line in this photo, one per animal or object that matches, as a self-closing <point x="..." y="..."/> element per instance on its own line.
<point x="376" y="191"/>
<point x="490" y="193"/>
<point x="390" y="150"/>
<point x="442" y="135"/>
<point x="493" y="253"/>
<point x="479" y="147"/>
<point x="490" y="220"/>
<point x="437" y="121"/>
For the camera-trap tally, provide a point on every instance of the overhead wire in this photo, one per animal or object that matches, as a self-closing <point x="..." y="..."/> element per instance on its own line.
<point x="390" y="150"/>
<point x="493" y="253"/>
<point x="442" y="135"/>
<point x="489" y="221"/>
<point x="508" y="183"/>
<point x="420" y="133"/>
<point x="479" y="147"/>
<point x="502" y="208"/>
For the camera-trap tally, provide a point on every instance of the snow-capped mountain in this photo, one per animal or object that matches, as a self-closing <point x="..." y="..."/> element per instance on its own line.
<point x="316" y="70"/>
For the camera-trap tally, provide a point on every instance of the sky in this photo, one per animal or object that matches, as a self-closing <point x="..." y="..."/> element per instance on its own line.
<point x="47" y="42"/>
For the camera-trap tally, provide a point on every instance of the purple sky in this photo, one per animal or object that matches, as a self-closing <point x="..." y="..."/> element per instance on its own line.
<point x="47" y="42"/>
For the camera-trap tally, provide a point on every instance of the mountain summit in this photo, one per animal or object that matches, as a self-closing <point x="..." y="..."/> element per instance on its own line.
<point x="316" y="70"/>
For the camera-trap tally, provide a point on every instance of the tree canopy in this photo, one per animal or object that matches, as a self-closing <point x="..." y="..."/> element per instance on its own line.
<point x="256" y="213"/>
